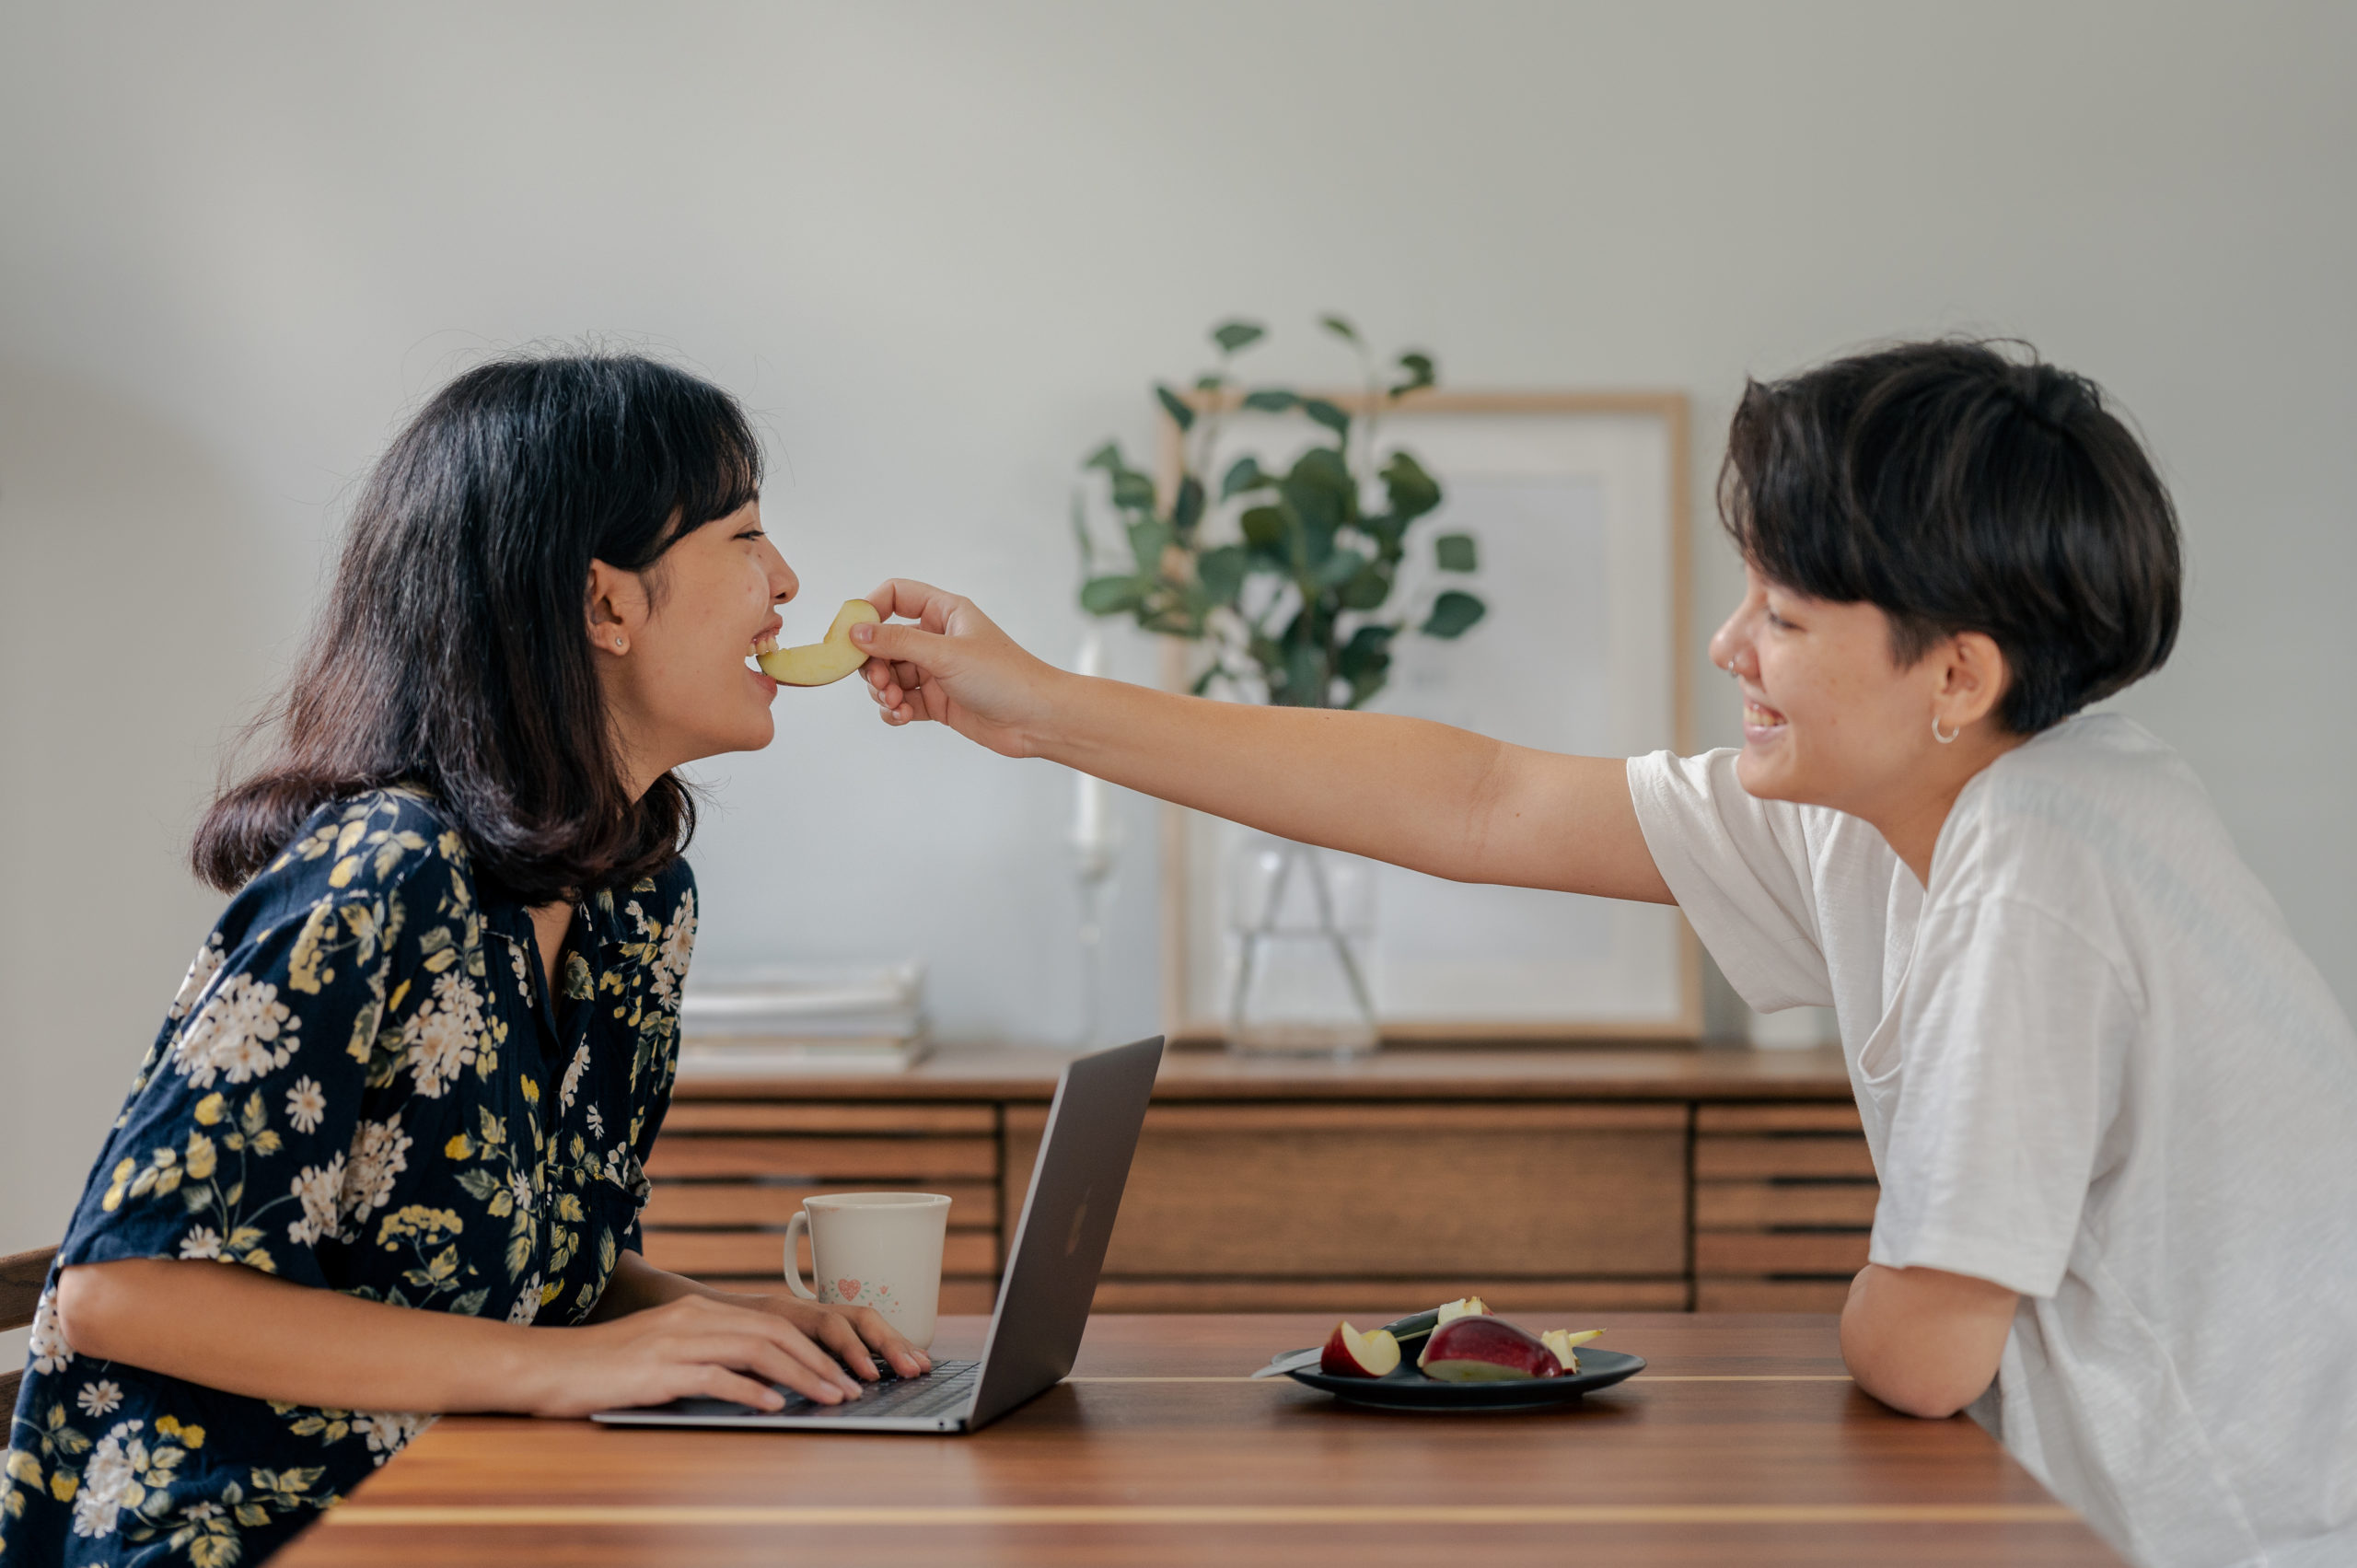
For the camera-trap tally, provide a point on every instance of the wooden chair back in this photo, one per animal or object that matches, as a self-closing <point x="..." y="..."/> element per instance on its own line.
<point x="21" y="1276"/>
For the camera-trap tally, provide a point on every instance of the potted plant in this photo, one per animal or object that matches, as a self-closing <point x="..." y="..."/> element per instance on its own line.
<point x="1285" y="577"/>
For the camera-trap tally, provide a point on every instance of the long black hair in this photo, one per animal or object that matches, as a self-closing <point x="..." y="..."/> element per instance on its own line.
<point x="1962" y="487"/>
<point x="453" y="654"/>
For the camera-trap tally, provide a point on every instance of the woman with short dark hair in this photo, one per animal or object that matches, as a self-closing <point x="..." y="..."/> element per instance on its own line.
<point x="2108" y="1097"/>
<point x="411" y="1082"/>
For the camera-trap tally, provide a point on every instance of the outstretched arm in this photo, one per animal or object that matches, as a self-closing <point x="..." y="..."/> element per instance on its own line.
<point x="1419" y="795"/>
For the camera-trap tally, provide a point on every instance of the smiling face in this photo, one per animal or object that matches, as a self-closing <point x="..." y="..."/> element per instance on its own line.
<point x="674" y="640"/>
<point x="1830" y="718"/>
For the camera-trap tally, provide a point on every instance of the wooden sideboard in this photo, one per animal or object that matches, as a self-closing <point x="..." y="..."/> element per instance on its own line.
<point x="1582" y="1178"/>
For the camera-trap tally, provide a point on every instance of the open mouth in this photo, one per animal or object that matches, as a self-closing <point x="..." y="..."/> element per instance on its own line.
<point x="1760" y="721"/>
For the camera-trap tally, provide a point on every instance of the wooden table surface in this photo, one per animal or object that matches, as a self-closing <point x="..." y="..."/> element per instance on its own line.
<point x="1742" y="1442"/>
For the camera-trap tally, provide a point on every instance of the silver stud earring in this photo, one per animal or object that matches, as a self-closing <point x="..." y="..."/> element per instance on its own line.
<point x="1945" y="736"/>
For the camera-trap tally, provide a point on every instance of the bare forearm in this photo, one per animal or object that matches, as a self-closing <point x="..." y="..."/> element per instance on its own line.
<point x="1424" y="795"/>
<point x="231" y="1327"/>
<point x="1924" y="1341"/>
<point x="636" y="1284"/>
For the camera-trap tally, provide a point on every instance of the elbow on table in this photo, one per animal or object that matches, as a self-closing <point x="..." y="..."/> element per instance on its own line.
<point x="1930" y="1398"/>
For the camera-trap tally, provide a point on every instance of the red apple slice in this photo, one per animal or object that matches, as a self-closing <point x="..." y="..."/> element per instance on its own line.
<point x="1350" y="1354"/>
<point x="1565" y="1343"/>
<point x="1480" y="1349"/>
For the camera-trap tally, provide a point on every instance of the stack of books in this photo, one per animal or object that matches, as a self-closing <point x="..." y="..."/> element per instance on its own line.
<point x="753" y="1023"/>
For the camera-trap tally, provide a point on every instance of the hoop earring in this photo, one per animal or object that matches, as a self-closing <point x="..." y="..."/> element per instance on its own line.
<point x="1945" y="736"/>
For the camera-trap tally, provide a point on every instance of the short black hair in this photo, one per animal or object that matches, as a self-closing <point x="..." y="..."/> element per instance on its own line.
<point x="1963" y="485"/>
<point x="453" y="652"/>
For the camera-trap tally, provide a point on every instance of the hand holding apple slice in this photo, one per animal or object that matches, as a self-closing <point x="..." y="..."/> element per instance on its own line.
<point x="821" y="663"/>
<point x="1563" y="1343"/>
<point x="1478" y="1348"/>
<point x="1350" y="1354"/>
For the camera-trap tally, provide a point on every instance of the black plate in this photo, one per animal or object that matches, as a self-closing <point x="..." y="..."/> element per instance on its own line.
<point x="1405" y="1388"/>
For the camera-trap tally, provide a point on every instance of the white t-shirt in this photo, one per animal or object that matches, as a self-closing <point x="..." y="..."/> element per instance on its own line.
<point x="2094" y="1068"/>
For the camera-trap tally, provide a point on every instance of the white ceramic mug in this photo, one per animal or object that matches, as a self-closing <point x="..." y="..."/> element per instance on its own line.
<point x="880" y="1250"/>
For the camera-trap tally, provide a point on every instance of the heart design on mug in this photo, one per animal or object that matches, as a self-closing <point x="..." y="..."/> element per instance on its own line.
<point x="850" y="1289"/>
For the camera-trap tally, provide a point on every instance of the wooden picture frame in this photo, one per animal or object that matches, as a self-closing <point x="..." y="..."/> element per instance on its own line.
<point x="1628" y="453"/>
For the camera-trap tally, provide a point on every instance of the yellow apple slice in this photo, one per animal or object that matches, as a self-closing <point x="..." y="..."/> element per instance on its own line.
<point x="1464" y="1305"/>
<point x="820" y="664"/>
<point x="1560" y="1342"/>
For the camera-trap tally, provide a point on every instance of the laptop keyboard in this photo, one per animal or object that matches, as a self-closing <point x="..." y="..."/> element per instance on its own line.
<point x="947" y="1386"/>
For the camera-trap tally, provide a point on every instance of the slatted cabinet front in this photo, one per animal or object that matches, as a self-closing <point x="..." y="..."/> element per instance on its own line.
<point x="1783" y="1206"/>
<point x="1334" y="1205"/>
<point x="728" y="1175"/>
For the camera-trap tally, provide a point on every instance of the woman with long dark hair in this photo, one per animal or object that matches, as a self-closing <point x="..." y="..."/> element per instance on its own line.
<point x="411" y="1082"/>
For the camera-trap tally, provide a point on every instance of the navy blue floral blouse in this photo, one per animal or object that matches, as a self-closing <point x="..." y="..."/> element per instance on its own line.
<point x="362" y="1087"/>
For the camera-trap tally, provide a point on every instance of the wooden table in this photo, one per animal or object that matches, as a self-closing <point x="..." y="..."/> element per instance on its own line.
<point x="1742" y="1442"/>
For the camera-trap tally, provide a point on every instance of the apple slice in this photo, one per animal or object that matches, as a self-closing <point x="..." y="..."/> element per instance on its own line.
<point x="1350" y="1354"/>
<point x="1476" y="1347"/>
<point x="1565" y="1343"/>
<point x="1470" y="1305"/>
<point x="818" y="664"/>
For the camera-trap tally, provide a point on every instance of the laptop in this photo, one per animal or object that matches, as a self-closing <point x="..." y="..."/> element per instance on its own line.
<point x="1043" y="1299"/>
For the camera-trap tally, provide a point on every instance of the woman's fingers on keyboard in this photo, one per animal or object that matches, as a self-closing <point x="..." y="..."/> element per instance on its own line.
<point x="837" y="1335"/>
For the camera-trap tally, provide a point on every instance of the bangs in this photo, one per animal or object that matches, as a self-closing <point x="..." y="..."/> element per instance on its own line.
<point x="707" y="456"/>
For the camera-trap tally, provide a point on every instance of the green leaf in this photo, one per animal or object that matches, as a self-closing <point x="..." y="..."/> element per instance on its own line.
<point x="1110" y="596"/>
<point x="1421" y="373"/>
<point x="1456" y="552"/>
<point x="1369" y="649"/>
<point x="1149" y="539"/>
<point x="1413" y="490"/>
<point x="1221" y="572"/>
<point x="1365" y="662"/>
<point x="1265" y="528"/>
<point x="1133" y="491"/>
<point x="1234" y="335"/>
<point x="1188" y="510"/>
<point x="1210" y="381"/>
<point x="1271" y="400"/>
<point x="1305" y="675"/>
<point x="1328" y="414"/>
<point x="1322" y="494"/>
<point x="1176" y="407"/>
<point x="1340" y="327"/>
<point x="1204" y="682"/>
<point x="1339" y="568"/>
<point x="1242" y="475"/>
<point x="1107" y="457"/>
<point x="1080" y="532"/>
<point x="1320" y="481"/>
<point x="1368" y="590"/>
<point x="1453" y="614"/>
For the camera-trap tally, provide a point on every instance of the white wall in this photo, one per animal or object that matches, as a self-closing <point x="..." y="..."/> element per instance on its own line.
<point x="940" y="247"/>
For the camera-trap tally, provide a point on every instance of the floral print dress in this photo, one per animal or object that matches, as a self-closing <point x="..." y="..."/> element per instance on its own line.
<point x="362" y="1087"/>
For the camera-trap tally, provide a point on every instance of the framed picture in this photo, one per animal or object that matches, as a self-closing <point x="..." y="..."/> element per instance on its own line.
<point x="1578" y="503"/>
